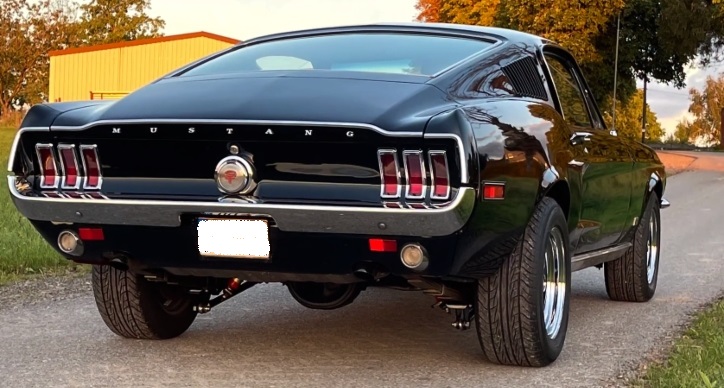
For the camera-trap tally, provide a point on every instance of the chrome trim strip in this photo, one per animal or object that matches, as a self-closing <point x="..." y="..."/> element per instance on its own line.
<point x="464" y="177"/>
<point x="86" y="178"/>
<point x="78" y="174"/>
<point x="392" y="152"/>
<point x="237" y="122"/>
<point x="306" y="218"/>
<point x="405" y="153"/>
<point x="589" y="259"/>
<point x="16" y="142"/>
<point x="41" y="167"/>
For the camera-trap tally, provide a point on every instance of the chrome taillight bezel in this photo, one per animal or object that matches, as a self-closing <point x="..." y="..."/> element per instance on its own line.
<point x="63" y="148"/>
<point x="423" y="176"/>
<point x="433" y="178"/>
<point x="87" y="176"/>
<point x="383" y="192"/>
<point x="41" y="166"/>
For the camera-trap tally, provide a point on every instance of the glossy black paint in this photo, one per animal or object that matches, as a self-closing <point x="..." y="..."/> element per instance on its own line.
<point x="303" y="253"/>
<point x="601" y="181"/>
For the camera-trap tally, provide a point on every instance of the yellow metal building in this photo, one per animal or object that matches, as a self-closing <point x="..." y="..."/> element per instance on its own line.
<point x="111" y="71"/>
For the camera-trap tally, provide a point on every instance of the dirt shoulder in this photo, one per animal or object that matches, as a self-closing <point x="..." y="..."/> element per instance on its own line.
<point x="679" y="161"/>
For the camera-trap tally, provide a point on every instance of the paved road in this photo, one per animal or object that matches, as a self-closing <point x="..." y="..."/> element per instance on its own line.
<point x="387" y="338"/>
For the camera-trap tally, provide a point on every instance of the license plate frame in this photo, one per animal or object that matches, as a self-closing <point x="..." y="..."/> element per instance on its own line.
<point x="233" y="238"/>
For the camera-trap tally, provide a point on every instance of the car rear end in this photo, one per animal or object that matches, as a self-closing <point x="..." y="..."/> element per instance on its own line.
<point x="215" y="198"/>
<point x="311" y="156"/>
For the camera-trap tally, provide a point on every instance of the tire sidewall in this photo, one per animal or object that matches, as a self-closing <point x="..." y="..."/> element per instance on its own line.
<point x="652" y="210"/>
<point x="554" y="217"/>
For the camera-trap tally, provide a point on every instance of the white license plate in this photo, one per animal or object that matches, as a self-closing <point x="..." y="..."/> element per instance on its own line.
<point x="243" y="239"/>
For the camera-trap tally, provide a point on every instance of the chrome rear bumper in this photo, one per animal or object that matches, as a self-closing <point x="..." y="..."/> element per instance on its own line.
<point x="431" y="222"/>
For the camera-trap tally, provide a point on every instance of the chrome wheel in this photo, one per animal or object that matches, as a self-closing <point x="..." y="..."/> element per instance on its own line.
<point x="652" y="248"/>
<point x="554" y="282"/>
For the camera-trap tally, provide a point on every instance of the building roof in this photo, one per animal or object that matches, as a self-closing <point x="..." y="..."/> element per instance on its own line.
<point x="139" y="42"/>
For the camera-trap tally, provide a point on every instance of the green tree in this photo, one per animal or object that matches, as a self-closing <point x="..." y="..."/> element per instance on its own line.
<point x="29" y="30"/>
<point x="659" y="38"/>
<point x="706" y="107"/>
<point x="110" y="21"/>
<point x="628" y="119"/>
<point x="683" y="133"/>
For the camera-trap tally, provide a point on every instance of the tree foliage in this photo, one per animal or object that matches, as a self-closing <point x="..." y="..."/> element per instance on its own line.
<point x="29" y="30"/>
<point x="659" y="38"/>
<point x="706" y="108"/>
<point x="110" y="21"/>
<point x="628" y="119"/>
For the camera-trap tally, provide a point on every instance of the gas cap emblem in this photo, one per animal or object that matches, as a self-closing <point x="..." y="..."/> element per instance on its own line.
<point x="234" y="175"/>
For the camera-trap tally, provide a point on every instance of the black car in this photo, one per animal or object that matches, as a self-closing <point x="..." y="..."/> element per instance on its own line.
<point x="469" y="163"/>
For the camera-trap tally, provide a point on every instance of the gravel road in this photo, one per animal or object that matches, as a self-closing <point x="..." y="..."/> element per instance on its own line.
<point x="386" y="338"/>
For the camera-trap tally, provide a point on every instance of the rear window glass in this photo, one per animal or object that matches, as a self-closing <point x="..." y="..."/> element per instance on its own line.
<point x="414" y="54"/>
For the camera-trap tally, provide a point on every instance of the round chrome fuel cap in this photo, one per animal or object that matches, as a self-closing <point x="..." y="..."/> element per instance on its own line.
<point x="234" y="175"/>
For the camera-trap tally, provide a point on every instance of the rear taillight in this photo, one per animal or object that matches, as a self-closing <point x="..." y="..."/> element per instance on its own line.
<point x="390" y="173"/>
<point x="415" y="174"/>
<point x="48" y="168"/>
<point x="439" y="175"/>
<point x="70" y="176"/>
<point x="415" y="167"/>
<point x="91" y="166"/>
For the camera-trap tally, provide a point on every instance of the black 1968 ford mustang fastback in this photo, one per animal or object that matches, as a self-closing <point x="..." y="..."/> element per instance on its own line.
<point x="469" y="163"/>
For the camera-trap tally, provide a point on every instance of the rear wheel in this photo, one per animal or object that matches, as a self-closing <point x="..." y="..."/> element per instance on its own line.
<point x="522" y="310"/>
<point x="134" y="307"/>
<point x="633" y="277"/>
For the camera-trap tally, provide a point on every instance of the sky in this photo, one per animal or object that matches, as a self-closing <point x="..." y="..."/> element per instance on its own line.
<point x="245" y="19"/>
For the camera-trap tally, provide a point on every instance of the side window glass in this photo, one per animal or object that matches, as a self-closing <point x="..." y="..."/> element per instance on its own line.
<point x="569" y="93"/>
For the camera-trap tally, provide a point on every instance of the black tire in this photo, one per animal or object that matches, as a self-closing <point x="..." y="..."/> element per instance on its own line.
<point x="627" y="278"/>
<point x="510" y="304"/>
<point x="133" y="307"/>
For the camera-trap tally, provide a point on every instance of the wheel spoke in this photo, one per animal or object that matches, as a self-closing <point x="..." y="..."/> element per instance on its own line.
<point x="554" y="284"/>
<point x="652" y="248"/>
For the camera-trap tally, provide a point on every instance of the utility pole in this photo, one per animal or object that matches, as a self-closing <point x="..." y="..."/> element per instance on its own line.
<point x="643" y="120"/>
<point x="615" y="73"/>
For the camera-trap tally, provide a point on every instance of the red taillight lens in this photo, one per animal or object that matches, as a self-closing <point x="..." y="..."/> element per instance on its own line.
<point x="389" y="172"/>
<point x="415" y="173"/>
<point x="48" y="168"/>
<point x="494" y="191"/>
<point x="69" y="166"/>
<point x="92" y="167"/>
<point x="439" y="175"/>
<point x="380" y="245"/>
<point x="91" y="234"/>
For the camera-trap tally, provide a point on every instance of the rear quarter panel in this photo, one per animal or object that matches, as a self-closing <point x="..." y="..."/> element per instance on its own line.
<point x="522" y="143"/>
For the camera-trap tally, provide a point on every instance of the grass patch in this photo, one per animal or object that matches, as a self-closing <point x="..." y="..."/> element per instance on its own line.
<point x="697" y="359"/>
<point x="22" y="251"/>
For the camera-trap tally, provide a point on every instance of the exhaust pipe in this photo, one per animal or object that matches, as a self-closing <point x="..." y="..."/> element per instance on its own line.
<point x="69" y="243"/>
